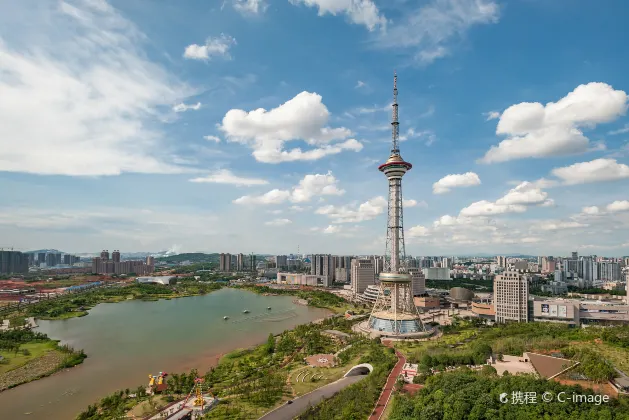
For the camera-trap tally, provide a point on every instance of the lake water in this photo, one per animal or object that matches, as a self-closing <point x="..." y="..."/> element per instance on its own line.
<point x="125" y="342"/>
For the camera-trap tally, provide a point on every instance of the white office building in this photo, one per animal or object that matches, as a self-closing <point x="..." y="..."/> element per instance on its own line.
<point x="511" y="295"/>
<point x="363" y="275"/>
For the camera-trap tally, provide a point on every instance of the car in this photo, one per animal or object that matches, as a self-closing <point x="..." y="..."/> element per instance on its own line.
<point x="289" y="402"/>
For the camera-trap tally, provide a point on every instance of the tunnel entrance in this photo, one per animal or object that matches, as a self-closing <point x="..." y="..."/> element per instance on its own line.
<point x="363" y="369"/>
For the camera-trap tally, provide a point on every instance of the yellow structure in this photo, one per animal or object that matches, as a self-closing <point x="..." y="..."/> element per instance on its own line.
<point x="199" y="400"/>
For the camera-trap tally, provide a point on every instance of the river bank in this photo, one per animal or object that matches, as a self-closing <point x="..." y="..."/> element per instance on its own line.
<point x="29" y="356"/>
<point x="129" y="340"/>
<point x="248" y="381"/>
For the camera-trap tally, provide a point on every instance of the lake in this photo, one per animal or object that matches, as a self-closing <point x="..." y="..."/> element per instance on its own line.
<point x="127" y="341"/>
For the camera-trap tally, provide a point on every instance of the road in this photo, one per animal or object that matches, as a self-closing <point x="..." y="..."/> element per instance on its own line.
<point x="381" y="405"/>
<point x="300" y="404"/>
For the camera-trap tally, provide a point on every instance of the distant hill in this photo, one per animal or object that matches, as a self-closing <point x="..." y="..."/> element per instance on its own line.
<point x="47" y="251"/>
<point x="195" y="257"/>
<point x="494" y="255"/>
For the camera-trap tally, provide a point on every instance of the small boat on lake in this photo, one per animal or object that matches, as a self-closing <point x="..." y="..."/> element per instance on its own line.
<point x="268" y="307"/>
<point x="225" y="318"/>
<point x="246" y="311"/>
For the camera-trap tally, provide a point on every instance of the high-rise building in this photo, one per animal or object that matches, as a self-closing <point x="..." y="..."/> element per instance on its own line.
<point x="587" y="270"/>
<point x="240" y="262"/>
<point x="13" y="262"/>
<point x="608" y="271"/>
<point x="281" y="262"/>
<point x="378" y="264"/>
<point x="66" y="259"/>
<point x="501" y="261"/>
<point x="418" y="282"/>
<point x="115" y="256"/>
<point x="341" y="275"/>
<point x="322" y="265"/>
<point x="51" y="260"/>
<point x="150" y="261"/>
<point x="362" y="275"/>
<point x="31" y="258"/>
<point x="41" y="258"/>
<point x="225" y="262"/>
<point x="511" y="296"/>
<point x="104" y="255"/>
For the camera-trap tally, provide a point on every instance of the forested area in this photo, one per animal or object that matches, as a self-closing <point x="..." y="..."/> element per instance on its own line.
<point x="467" y="395"/>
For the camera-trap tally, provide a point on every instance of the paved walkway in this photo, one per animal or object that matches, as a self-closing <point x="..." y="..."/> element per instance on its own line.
<point x="381" y="405"/>
<point x="299" y="405"/>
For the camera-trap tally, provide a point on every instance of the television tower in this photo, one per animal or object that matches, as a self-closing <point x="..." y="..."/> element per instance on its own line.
<point x="394" y="312"/>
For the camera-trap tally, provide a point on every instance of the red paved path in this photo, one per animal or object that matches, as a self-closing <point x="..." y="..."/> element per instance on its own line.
<point x="381" y="405"/>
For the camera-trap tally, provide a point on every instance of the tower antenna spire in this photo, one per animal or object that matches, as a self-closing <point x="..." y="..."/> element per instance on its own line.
<point x="395" y="124"/>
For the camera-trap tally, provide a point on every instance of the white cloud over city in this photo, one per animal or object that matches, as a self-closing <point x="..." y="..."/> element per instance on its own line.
<point x="303" y="117"/>
<point x="534" y="130"/>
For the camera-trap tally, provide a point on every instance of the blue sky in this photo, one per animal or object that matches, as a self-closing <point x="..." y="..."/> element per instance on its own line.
<point x="258" y="125"/>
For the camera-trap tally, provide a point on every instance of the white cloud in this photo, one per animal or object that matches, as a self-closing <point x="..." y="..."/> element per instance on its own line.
<point x="487" y="208"/>
<point x="250" y="7"/>
<point x="597" y="170"/>
<point x="302" y="118"/>
<point x="309" y="187"/>
<point x="225" y="176"/>
<point x="375" y="108"/>
<point x="491" y="115"/>
<point x="418" y="232"/>
<point x="448" y="182"/>
<point x="332" y="229"/>
<point x="345" y="214"/>
<point x="278" y="222"/>
<point x="428" y="56"/>
<point x="534" y="130"/>
<point x="213" y="47"/>
<point x="272" y="197"/>
<point x="361" y="12"/>
<point x="315" y="185"/>
<point x="414" y="203"/>
<point x="623" y="130"/>
<point x="559" y="225"/>
<point x="618" y="206"/>
<point x="527" y="194"/>
<point x="183" y="107"/>
<point x="66" y="108"/>
<point x="515" y="201"/>
<point x="212" y="138"/>
<point x="297" y="208"/>
<point x="277" y="211"/>
<point x="429" y="135"/>
<point x="592" y="210"/>
<point x="360" y="84"/>
<point x="431" y="29"/>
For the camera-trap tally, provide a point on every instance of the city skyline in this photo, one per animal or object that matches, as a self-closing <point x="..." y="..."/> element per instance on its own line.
<point x="227" y="134"/>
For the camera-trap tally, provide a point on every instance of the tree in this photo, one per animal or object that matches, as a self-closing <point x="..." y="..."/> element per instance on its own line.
<point x="270" y="344"/>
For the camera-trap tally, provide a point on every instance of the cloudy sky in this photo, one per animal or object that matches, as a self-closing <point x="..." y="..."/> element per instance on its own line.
<point x="258" y="125"/>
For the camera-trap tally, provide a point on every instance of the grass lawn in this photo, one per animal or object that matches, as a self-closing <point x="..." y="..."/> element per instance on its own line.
<point x="144" y="408"/>
<point x="329" y="375"/>
<point x="17" y="360"/>
<point x="410" y="347"/>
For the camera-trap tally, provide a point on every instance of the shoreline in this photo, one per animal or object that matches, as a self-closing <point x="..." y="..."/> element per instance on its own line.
<point x="202" y="358"/>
